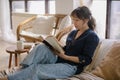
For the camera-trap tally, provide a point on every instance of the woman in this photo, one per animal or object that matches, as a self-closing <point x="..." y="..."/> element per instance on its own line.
<point x="42" y="64"/>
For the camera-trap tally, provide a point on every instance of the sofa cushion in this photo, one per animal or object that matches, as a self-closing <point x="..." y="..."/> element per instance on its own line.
<point x="83" y="76"/>
<point x="109" y="67"/>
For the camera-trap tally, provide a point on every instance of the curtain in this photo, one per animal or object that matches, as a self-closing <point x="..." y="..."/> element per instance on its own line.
<point x="6" y="33"/>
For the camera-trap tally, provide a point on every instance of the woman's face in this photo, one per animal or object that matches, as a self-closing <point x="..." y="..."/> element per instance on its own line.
<point x="78" y="23"/>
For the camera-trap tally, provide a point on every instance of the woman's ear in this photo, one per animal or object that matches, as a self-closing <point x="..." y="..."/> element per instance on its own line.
<point x="85" y="21"/>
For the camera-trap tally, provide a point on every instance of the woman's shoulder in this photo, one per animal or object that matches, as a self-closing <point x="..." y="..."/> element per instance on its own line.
<point x="91" y="32"/>
<point x="93" y="35"/>
<point x="73" y="32"/>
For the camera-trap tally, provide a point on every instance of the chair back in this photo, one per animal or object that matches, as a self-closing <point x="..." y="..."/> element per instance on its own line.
<point x="45" y="24"/>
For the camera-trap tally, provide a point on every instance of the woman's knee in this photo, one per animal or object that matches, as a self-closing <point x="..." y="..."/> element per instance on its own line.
<point x="41" y="46"/>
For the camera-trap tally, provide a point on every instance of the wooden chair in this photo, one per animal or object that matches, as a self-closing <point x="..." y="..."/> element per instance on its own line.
<point x="26" y="26"/>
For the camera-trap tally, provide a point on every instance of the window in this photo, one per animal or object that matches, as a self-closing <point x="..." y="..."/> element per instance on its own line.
<point x="51" y="7"/>
<point x="36" y="7"/>
<point x="18" y="6"/>
<point x="33" y="6"/>
<point x="115" y="20"/>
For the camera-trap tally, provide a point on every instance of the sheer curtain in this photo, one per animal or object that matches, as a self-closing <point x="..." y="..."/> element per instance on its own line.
<point x="6" y="33"/>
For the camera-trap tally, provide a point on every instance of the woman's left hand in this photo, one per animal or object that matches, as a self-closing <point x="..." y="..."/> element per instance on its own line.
<point x="62" y="55"/>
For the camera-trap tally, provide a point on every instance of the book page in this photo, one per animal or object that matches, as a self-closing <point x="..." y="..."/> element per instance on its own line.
<point x="54" y="43"/>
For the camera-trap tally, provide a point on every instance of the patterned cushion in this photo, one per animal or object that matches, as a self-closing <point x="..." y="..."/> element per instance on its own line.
<point x="83" y="76"/>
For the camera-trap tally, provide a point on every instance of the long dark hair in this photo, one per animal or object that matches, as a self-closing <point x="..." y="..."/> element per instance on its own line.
<point x="84" y="13"/>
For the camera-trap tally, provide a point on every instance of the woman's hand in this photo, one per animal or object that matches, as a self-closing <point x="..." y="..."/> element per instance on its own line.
<point x="62" y="55"/>
<point x="69" y="58"/>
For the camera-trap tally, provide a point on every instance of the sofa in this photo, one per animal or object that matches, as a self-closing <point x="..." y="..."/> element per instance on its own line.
<point x="105" y="64"/>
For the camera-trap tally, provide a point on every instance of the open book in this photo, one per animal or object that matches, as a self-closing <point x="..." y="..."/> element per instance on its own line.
<point x="52" y="43"/>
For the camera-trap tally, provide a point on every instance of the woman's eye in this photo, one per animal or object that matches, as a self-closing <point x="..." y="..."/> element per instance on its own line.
<point x="75" y="20"/>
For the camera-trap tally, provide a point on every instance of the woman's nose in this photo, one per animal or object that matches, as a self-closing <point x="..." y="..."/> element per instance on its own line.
<point x="73" y="22"/>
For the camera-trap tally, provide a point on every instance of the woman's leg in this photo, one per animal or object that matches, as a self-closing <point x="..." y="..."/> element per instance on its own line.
<point x="23" y="74"/>
<point x="55" y="71"/>
<point x="44" y="71"/>
<point x="40" y="54"/>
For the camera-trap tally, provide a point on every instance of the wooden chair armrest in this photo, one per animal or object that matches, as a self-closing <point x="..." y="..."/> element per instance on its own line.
<point x="63" y="32"/>
<point x="32" y="39"/>
<point x="21" y="25"/>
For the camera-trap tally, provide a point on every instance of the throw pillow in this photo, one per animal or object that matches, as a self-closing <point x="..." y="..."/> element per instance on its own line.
<point x="65" y="27"/>
<point x="109" y="68"/>
<point x="66" y="21"/>
<point x="43" y="24"/>
<point x="62" y="35"/>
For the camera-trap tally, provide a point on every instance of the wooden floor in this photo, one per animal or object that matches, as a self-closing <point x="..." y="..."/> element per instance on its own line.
<point x="4" y="56"/>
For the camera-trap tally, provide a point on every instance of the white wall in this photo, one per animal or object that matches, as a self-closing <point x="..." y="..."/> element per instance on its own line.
<point x="66" y="6"/>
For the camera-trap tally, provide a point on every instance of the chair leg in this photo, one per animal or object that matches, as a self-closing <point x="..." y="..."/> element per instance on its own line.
<point x="10" y="60"/>
<point x="16" y="60"/>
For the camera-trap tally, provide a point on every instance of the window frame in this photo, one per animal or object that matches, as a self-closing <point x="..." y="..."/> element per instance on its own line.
<point x="26" y="5"/>
<point x="108" y="17"/>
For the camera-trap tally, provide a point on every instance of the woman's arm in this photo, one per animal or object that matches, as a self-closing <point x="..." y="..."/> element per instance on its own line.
<point x="69" y="58"/>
